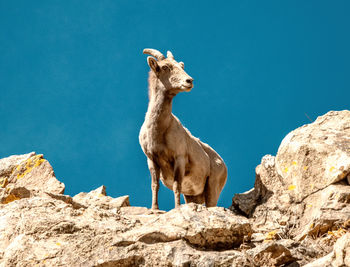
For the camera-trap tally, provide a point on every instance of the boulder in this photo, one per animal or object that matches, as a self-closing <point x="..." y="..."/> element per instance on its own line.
<point x="302" y="194"/>
<point x="93" y="229"/>
<point x="24" y="175"/>
<point x="205" y="228"/>
<point x="315" y="155"/>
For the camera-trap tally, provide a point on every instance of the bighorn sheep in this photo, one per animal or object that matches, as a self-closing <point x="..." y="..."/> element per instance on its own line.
<point x="183" y="163"/>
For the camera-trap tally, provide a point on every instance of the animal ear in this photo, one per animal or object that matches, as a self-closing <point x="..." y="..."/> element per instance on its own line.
<point x="152" y="63"/>
<point x="182" y="64"/>
<point x="169" y="55"/>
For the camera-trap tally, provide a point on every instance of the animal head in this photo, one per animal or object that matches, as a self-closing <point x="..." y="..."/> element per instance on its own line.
<point x="170" y="72"/>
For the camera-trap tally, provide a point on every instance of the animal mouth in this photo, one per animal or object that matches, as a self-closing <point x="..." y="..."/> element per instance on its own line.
<point x="186" y="88"/>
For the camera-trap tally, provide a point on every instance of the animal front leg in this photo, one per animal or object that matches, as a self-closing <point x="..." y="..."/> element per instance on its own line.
<point x="179" y="171"/>
<point x="154" y="170"/>
<point x="176" y="189"/>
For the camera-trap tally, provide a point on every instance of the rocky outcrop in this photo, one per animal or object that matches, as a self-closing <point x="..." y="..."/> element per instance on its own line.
<point x="303" y="194"/>
<point x="25" y="175"/>
<point x="339" y="256"/>
<point x="212" y="228"/>
<point x="315" y="155"/>
<point x="297" y="214"/>
<point x="52" y="230"/>
<point x="40" y="226"/>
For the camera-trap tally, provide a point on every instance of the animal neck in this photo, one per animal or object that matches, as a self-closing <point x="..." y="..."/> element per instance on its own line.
<point x="160" y="105"/>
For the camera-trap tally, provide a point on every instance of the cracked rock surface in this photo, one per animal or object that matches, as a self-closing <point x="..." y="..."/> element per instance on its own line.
<point x="303" y="195"/>
<point x="40" y="226"/>
<point x="50" y="230"/>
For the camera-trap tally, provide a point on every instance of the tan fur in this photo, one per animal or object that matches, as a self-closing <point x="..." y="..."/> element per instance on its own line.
<point x="183" y="163"/>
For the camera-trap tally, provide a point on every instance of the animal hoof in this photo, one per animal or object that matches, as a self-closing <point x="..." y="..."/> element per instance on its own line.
<point x="156" y="211"/>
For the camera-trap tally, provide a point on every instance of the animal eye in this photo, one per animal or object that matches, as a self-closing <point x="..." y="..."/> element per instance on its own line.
<point x="166" y="68"/>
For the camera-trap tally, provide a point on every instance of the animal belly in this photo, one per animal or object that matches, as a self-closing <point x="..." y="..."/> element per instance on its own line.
<point x="193" y="186"/>
<point x="190" y="185"/>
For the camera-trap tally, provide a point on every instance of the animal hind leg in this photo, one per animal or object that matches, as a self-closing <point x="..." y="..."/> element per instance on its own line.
<point x="213" y="189"/>
<point x="199" y="199"/>
<point x="211" y="195"/>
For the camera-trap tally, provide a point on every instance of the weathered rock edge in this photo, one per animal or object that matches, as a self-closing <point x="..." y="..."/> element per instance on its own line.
<point x="39" y="225"/>
<point x="303" y="194"/>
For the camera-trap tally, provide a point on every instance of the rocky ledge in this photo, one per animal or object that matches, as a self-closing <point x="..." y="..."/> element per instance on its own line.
<point x="297" y="214"/>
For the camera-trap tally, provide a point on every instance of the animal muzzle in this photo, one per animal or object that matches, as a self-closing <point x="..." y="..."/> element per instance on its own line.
<point x="188" y="84"/>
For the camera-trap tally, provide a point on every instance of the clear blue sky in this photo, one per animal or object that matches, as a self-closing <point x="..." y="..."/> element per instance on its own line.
<point x="73" y="82"/>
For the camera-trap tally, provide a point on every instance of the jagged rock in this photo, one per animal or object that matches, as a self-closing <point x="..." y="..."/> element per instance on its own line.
<point x="99" y="198"/>
<point x="273" y="253"/>
<point x="8" y="165"/>
<point x="267" y="202"/>
<point x="24" y="175"/>
<point x="315" y="155"/>
<point x="325" y="210"/>
<point x="56" y="230"/>
<point x="324" y="261"/>
<point x="209" y="228"/>
<point x="267" y="183"/>
<point x="339" y="257"/>
<point x="245" y="202"/>
<point x="342" y="251"/>
<point x="290" y="202"/>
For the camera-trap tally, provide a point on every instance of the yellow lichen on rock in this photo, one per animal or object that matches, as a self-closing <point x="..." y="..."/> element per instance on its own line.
<point x="38" y="163"/>
<point x="291" y="187"/>
<point x="273" y="235"/>
<point x="30" y="163"/>
<point x="9" y="199"/>
<point x="3" y="182"/>
<point x="337" y="233"/>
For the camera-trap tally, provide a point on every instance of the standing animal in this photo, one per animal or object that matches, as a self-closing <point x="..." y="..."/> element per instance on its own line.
<point x="183" y="163"/>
